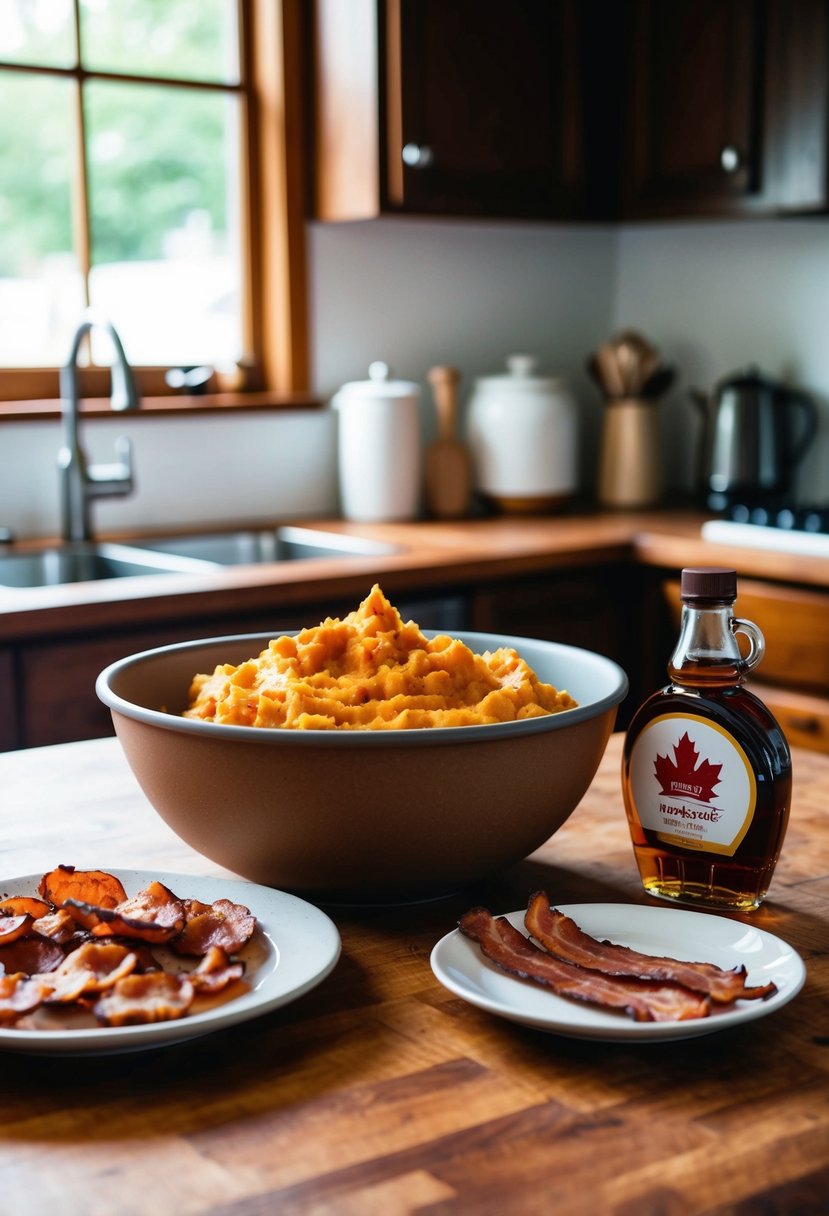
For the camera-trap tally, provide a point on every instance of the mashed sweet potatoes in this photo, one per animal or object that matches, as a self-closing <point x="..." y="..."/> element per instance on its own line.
<point x="372" y="671"/>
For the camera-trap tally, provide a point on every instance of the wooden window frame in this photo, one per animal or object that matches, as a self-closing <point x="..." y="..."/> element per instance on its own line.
<point x="272" y="40"/>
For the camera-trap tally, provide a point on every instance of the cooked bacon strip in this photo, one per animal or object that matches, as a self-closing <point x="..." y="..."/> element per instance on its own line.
<point x="561" y="936"/>
<point x="93" y="967"/>
<point x="86" y="941"/>
<point x="19" y="994"/>
<point x="215" y="971"/>
<point x="20" y="905"/>
<point x="143" y="953"/>
<point x="222" y="923"/>
<point x="155" y="997"/>
<point x="13" y="927"/>
<point x="154" y="915"/>
<point x="156" y="908"/>
<point x="32" y="955"/>
<point x="88" y="886"/>
<point x="57" y="925"/>
<point x="643" y="1000"/>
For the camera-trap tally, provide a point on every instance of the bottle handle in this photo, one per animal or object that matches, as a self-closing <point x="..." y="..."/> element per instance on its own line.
<point x="756" y="643"/>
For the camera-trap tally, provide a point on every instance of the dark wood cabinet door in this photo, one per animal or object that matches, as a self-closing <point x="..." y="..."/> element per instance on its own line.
<point x="796" y="121"/>
<point x="571" y="109"/>
<point x="482" y="110"/>
<point x="695" y="107"/>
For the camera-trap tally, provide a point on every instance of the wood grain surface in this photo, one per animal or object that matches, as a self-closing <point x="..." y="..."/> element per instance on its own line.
<point x="381" y="1092"/>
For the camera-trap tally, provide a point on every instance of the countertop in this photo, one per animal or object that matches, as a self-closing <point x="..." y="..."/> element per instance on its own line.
<point x="381" y="1092"/>
<point x="429" y="554"/>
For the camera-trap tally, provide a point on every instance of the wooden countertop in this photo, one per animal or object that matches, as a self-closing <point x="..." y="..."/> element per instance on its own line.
<point x="430" y="555"/>
<point x="379" y="1091"/>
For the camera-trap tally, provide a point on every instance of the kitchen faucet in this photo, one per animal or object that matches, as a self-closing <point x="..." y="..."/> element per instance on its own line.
<point x="80" y="481"/>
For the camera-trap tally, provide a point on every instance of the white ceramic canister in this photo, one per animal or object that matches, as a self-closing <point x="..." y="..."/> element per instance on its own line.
<point x="523" y="436"/>
<point x="379" y="447"/>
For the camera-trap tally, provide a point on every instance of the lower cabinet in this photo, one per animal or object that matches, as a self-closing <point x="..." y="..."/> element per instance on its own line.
<point x="9" y="697"/>
<point x="58" y="702"/>
<point x="604" y="608"/>
<point x="49" y="685"/>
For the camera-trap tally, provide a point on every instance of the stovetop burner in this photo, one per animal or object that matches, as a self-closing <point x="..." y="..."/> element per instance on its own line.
<point x="802" y="530"/>
<point x="790" y="518"/>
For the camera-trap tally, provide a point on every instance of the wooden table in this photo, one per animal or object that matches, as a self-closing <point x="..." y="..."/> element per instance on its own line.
<point x="381" y="1092"/>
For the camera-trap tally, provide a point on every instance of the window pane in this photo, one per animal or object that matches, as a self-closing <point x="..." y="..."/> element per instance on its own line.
<point x="188" y="39"/>
<point x="37" y="31"/>
<point x="164" y="214"/>
<point x="41" y="289"/>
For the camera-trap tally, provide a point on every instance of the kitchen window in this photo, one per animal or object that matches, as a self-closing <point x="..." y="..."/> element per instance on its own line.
<point x="147" y="170"/>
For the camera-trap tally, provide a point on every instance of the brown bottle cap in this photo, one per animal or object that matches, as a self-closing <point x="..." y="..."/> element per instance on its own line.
<point x="708" y="583"/>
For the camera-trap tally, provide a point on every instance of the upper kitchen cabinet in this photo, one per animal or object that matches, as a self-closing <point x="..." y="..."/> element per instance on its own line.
<point x="727" y="108"/>
<point x="570" y="109"/>
<point x="468" y="108"/>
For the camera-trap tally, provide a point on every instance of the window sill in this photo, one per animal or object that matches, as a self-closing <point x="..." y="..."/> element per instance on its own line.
<point x="206" y="404"/>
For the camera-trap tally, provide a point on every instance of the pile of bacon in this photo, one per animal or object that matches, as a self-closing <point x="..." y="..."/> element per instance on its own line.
<point x="83" y="943"/>
<point x="571" y="963"/>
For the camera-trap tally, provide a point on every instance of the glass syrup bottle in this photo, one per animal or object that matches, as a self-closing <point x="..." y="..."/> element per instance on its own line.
<point x="706" y="769"/>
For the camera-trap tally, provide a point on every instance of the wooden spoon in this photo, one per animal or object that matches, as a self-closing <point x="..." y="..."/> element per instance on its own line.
<point x="448" y="465"/>
<point x="608" y="368"/>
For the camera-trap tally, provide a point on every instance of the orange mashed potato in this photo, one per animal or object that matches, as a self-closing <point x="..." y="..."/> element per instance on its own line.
<point x="372" y="671"/>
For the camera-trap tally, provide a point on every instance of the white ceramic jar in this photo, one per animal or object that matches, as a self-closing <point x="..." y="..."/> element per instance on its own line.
<point x="379" y="447"/>
<point x="523" y="436"/>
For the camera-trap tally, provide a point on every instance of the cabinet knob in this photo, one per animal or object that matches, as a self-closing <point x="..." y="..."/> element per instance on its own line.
<point x="417" y="156"/>
<point x="730" y="158"/>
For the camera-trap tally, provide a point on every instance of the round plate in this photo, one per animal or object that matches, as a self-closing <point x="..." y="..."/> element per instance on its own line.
<point x="294" y="948"/>
<point x="691" y="936"/>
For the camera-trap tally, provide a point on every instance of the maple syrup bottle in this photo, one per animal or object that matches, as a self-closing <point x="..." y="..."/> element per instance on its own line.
<point x="706" y="769"/>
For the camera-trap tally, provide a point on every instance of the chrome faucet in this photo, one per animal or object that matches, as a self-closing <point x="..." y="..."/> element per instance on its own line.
<point x="80" y="481"/>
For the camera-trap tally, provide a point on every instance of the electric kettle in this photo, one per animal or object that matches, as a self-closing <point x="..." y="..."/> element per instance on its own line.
<point x="755" y="433"/>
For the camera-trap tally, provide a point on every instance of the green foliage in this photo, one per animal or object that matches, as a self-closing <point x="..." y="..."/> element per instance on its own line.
<point x="155" y="154"/>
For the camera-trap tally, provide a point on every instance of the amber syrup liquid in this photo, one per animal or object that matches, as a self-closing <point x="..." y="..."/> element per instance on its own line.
<point x="711" y="690"/>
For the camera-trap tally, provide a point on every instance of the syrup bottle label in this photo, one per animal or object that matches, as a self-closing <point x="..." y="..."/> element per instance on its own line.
<point x="692" y="784"/>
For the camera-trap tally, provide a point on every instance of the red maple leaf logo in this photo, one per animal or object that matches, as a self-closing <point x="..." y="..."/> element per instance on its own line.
<point x="683" y="777"/>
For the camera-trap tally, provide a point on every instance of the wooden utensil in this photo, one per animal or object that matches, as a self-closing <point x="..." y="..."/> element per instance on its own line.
<point x="448" y="466"/>
<point x="608" y="369"/>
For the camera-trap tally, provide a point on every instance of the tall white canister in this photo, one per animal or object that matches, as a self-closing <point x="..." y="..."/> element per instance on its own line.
<point x="523" y="436"/>
<point x="379" y="447"/>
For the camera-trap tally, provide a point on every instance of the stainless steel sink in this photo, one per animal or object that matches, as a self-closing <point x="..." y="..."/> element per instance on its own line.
<point x="86" y="561"/>
<point x="190" y="553"/>
<point x="249" y="547"/>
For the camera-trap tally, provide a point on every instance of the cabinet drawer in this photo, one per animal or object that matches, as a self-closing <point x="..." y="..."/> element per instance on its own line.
<point x="795" y="625"/>
<point x="804" y="718"/>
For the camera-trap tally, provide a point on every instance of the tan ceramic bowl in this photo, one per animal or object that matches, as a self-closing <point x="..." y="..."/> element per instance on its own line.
<point x="361" y="816"/>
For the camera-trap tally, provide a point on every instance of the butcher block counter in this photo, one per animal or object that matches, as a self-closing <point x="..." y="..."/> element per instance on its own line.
<point x="379" y="1091"/>
<point x="603" y="581"/>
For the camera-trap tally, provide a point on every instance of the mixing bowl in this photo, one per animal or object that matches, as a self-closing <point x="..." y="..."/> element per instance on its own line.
<point x="361" y="816"/>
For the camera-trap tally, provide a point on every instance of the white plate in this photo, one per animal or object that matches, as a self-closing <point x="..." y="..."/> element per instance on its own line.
<point x="295" y="947"/>
<point x="691" y="936"/>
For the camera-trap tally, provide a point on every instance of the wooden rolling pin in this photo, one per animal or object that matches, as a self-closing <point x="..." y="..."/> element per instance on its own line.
<point x="448" y="466"/>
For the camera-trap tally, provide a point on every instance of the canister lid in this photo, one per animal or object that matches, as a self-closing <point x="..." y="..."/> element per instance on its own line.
<point x="521" y="373"/>
<point x="708" y="583"/>
<point x="378" y="385"/>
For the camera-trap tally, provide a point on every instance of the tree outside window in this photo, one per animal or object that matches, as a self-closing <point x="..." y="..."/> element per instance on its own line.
<point x="123" y="143"/>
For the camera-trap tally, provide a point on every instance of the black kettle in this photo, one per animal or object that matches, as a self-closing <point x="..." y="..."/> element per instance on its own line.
<point x="755" y="433"/>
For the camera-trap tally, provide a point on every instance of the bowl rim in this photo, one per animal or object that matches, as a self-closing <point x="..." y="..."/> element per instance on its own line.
<point x="425" y="737"/>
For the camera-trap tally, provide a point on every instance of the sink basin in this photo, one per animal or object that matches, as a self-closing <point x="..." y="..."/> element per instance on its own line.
<point x="245" y="548"/>
<point x="190" y="553"/>
<point x="82" y="562"/>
